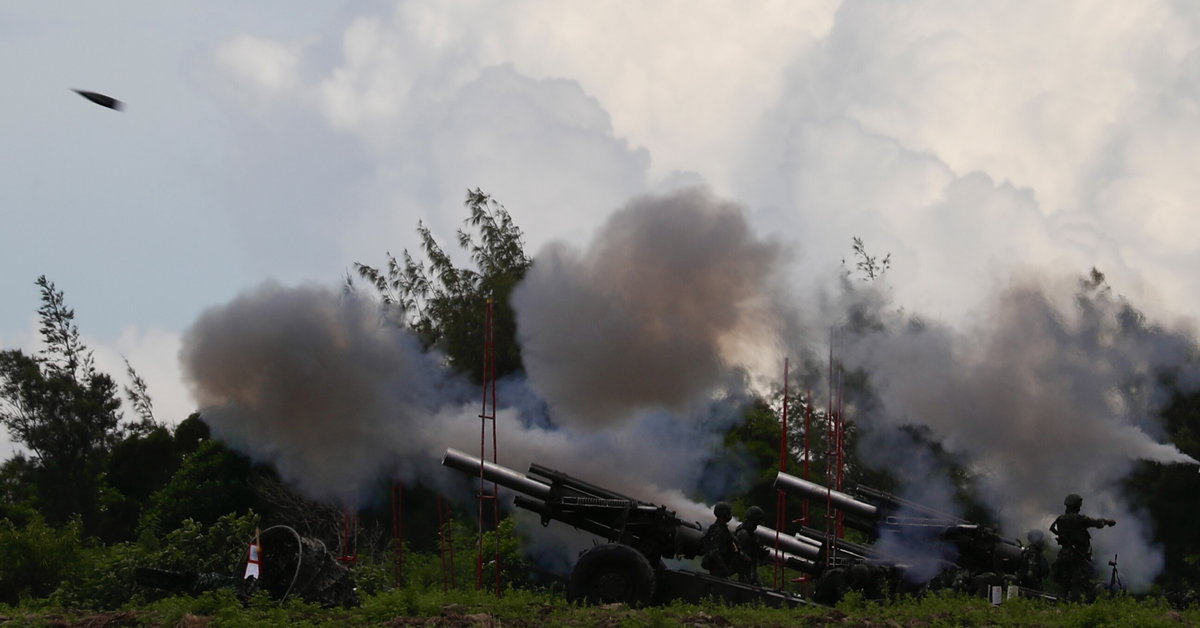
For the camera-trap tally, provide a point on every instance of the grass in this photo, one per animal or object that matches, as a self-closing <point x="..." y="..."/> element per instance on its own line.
<point x="528" y="609"/>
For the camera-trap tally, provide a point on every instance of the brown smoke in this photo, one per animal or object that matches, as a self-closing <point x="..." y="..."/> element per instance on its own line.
<point x="654" y="314"/>
<point x="336" y="396"/>
<point x="316" y="382"/>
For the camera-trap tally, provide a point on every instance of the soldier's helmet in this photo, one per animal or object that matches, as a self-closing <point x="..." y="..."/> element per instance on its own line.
<point x="754" y="514"/>
<point x="1073" y="501"/>
<point x="1035" y="537"/>
<point x="722" y="510"/>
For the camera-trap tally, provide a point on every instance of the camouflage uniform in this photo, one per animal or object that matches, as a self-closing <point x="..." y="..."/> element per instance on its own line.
<point x="753" y="553"/>
<point x="1073" y="570"/>
<point x="721" y="554"/>
<point x="1034" y="567"/>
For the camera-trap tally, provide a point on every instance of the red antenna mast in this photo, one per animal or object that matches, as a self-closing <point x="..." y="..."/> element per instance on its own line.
<point x="445" y="544"/>
<point x="349" y="536"/>
<point x="398" y="530"/>
<point x="781" y="519"/>
<point x="834" y="455"/>
<point x="807" y="451"/>
<point x="488" y="415"/>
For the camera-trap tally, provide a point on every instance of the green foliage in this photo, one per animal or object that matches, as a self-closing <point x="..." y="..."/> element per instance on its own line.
<point x="63" y="411"/>
<point x="216" y="548"/>
<point x="372" y="576"/>
<point x="18" y="500"/>
<point x="210" y="482"/>
<point x="753" y="444"/>
<point x="35" y="558"/>
<point x="424" y="570"/>
<point x="139" y="397"/>
<point x="139" y="465"/>
<point x="106" y="579"/>
<point x="870" y="266"/>
<point x="190" y="433"/>
<point x="445" y="304"/>
<point x="418" y="606"/>
<point x="1167" y="493"/>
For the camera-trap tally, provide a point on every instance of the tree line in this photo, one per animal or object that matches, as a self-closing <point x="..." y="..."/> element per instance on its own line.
<point x="106" y="472"/>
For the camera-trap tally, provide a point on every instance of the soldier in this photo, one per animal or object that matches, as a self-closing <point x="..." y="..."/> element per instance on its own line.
<point x="1034" y="567"/>
<point x="1073" y="567"/>
<point x="752" y="550"/>
<point x="721" y="553"/>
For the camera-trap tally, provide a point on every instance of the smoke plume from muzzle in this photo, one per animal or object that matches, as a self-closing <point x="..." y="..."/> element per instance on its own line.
<point x="1037" y="398"/>
<point x="673" y="293"/>
<point x="316" y="382"/>
<point x="337" y="396"/>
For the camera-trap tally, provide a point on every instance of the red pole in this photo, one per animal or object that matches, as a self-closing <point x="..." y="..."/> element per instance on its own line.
<point x="830" y="460"/>
<point x="349" y="536"/>
<point x="780" y="496"/>
<point x="841" y="450"/>
<point x="488" y="414"/>
<point x="491" y="353"/>
<point x="398" y="530"/>
<point x="445" y="545"/>
<point x="807" y="450"/>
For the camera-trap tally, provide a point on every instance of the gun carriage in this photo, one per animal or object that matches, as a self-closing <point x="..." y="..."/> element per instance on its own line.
<point x="639" y="537"/>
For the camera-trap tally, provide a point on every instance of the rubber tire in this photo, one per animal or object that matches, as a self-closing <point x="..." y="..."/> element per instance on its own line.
<point x="612" y="573"/>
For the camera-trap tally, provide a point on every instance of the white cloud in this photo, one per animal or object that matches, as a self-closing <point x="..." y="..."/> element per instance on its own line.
<point x="971" y="139"/>
<point x="260" y="63"/>
<point x="154" y="355"/>
<point x="152" y="352"/>
<point x="831" y="119"/>
<point x="966" y="139"/>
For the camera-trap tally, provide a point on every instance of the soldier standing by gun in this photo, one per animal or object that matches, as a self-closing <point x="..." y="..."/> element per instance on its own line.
<point x="752" y="550"/>
<point x="1073" y="567"/>
<point x="1034" y="567"/>
<point x="722" y="557"/>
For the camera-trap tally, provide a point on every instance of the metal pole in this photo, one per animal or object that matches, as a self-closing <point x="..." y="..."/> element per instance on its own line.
<point x="398" y="531"/>
<point x="780" y="496"/>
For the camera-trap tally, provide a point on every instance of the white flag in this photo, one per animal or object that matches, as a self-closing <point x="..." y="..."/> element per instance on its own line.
<point x="253" y="561"/>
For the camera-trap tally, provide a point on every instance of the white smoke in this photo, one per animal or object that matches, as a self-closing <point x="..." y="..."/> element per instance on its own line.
<point x="639" y="350"/>
<point x="1042" y="395"/>
<point x="634" y="348"/>
<point x="336" y="395"/>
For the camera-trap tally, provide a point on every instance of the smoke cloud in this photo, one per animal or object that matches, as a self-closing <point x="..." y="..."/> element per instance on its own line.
<point x="1045" y="395"/>
<point x="673" y="293"/>
<point x="642" y="349"/>
<point x="336" y="395"/>
<point x="317" y="383"/>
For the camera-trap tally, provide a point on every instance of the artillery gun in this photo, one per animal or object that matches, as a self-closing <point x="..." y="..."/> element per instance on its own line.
<point x="919" y="547"/>
<point x="639" y="535"/>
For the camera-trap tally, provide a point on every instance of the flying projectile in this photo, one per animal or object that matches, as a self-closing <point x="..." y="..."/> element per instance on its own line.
<point x="101" y="99"/>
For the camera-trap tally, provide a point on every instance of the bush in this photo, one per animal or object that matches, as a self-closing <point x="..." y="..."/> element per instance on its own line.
<point x="104" y="580"/>
<point x="36" y="558"/>
<point x="107" y="581"/>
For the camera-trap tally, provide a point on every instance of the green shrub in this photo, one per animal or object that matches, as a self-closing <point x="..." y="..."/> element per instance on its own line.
<point x="36" y="558"/>
<point x="106" y="579"/>
<point x="217" y="548"/>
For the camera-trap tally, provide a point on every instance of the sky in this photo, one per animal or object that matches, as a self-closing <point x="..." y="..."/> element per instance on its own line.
<point x="279" y="141"/>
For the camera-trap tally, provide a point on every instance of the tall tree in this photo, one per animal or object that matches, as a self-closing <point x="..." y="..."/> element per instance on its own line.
<point x="445" y="304"/>
<point x="62" y="410"/>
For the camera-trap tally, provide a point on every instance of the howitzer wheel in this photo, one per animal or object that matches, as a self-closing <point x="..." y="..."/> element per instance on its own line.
<point x="612" y="573"/>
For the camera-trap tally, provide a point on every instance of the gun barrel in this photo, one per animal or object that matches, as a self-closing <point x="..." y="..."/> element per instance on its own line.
<point x="797" y="486"/>
<point x="804" y="548"/>
<point x="576" y="484"/>
<point x="794" y="562"/>
<point x="491" y="472"/>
